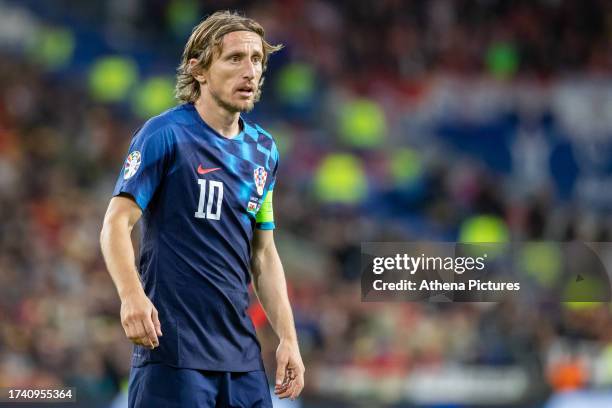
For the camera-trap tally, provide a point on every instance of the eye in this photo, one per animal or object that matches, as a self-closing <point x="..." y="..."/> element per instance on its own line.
<point x="235" y="58"/>
<point x="256" y="59"/>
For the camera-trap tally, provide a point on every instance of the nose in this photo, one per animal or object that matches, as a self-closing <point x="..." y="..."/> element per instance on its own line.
<point x="249" y="70"/>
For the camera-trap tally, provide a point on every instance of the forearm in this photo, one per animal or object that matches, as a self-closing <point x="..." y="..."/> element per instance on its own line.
<point x="118" y="253"/>
<point x="271" y="289"/>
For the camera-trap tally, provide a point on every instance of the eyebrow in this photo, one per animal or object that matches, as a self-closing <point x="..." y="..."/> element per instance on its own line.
<point x="242" y="53"/>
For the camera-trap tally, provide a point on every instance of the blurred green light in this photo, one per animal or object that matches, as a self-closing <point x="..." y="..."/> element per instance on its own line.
<point x="52" y="47"/>
<point x="182" y="15"/>
<point x="110" y="78"/>
<point x="502" y="60"/>
<point x="154" y="96"/>
<point x="585" y="294"/>
<point x="340" y="178"/>
<point x="362" y="123"/>
<point x="295" y="83"/>
<point x="405" y="166"/>
<point x="581" y="305"/>
<point x="541" y="261"/>
<point x="483" y="229"/>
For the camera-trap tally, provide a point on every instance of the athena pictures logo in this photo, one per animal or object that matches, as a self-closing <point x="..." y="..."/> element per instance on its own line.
<point x="260" y="175"/>
<point x="132" y="163"/>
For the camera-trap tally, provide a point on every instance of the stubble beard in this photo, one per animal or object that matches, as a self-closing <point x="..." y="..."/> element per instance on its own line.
<point x="233" y="108"/>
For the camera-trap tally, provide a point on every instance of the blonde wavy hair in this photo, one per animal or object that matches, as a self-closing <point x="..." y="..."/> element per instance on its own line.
<point x="205" y="41"/>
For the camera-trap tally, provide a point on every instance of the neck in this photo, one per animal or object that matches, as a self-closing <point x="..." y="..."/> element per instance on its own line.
<point x="217" y="117"/>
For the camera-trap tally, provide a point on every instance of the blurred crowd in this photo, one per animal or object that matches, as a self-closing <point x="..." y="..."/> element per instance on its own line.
<point x="389" y="40"/>
<point x="433" y="120"/>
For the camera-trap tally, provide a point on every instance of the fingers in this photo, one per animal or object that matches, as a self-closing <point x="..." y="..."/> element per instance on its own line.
<point x="141" y="332"/>
<point x="140" y="321"/>
<point x="149" y="333"/>
<point x="282" y="387"/>
<point x="296" y="385"/>
<point x="281" y="368"/>
<point x="156" y="323"/>
<point x="133" y="333"/>
<point x="289" y="371"/>
<point x="299" y="386"/>
<point x="286" y="388"/>
<point x="292" y="385"/>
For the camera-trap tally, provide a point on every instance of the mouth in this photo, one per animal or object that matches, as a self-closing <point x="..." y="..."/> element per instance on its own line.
<point x="246" y="91"/>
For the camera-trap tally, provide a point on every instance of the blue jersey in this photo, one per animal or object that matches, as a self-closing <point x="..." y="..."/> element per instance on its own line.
<point x="202" y="195"/>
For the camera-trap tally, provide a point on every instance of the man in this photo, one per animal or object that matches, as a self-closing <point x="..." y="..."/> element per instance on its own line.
<point x="202" y="179"/>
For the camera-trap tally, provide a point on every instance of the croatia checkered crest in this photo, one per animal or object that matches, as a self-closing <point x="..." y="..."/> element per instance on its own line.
<point x="260" y="175"/>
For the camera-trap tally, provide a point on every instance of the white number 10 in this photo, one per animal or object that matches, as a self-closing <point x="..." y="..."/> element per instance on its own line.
<point x="214" y="188"/>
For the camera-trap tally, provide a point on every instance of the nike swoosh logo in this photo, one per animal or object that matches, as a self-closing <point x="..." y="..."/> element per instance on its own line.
<point x="202" y="170"/>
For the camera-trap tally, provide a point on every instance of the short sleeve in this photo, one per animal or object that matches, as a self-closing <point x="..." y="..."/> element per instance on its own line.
<point x="265" y="216"/>
<point x="145" y="165"/>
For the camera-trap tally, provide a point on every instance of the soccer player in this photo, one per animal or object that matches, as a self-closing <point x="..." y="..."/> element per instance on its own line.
<point x="202" y="178"/>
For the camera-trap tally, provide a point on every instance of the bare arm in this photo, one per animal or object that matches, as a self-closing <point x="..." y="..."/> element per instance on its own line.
<point x="271" y="289"/>
<point x="138" y="315"/>
<point x="121" y="216"/>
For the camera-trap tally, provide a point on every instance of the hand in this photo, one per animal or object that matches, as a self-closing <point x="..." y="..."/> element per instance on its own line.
<point x="289" y="370"/>
<point x="140" y="320"/>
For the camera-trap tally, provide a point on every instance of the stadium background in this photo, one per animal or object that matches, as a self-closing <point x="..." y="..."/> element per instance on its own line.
<point x="442" y="120"/>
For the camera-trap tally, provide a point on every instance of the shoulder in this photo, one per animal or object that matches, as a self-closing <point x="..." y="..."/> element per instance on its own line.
<point x="165" y="125"/>
<point x="170" y="119"/>
<point x="265" y="141"/>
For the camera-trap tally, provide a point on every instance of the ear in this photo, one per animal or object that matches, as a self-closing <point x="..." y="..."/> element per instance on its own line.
<point x="196" y="71"/>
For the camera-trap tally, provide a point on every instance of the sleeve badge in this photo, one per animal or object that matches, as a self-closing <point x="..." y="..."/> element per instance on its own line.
<point x="132" y="163"/>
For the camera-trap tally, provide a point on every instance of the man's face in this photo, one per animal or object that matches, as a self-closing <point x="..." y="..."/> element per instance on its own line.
<point x="232" y="79"/>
